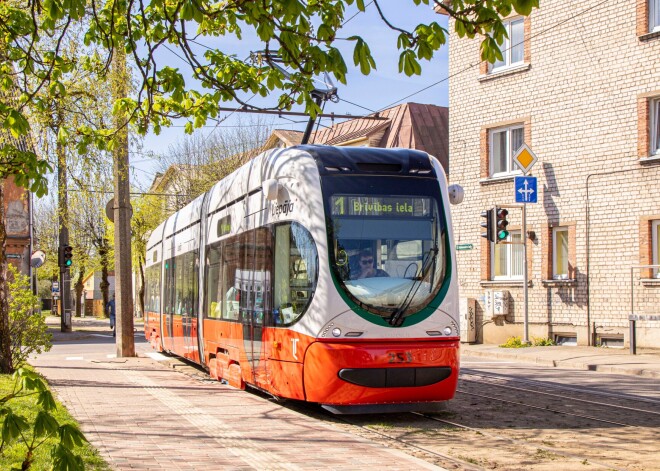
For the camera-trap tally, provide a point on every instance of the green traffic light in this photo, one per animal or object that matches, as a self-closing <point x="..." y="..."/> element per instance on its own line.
<point x="501" y="235"/>
<point x="68" y="263"/>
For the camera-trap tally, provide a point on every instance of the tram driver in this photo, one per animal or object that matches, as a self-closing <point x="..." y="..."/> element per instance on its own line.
<point x="366" y="268"/>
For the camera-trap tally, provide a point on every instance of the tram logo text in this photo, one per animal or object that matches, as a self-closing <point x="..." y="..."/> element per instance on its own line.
<point x="284" y="208"/>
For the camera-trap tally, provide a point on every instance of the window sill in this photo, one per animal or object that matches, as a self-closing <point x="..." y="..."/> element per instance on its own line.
<point x="505" y="283"/>
<point x="650" y="281"/>
<point x="504" y="71"/>
<point x="649" y="36"/>
<point x="551" y="283"/>
<point x="651" y="159"/>
<point x="503" y="178"/>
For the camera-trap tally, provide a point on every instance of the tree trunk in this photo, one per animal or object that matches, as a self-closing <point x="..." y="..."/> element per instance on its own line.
<point x="122" y="213"/>
<point x="6" y="363"/>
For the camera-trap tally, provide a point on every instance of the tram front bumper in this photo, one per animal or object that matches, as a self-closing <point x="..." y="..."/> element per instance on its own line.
<point x="381" y="372"/>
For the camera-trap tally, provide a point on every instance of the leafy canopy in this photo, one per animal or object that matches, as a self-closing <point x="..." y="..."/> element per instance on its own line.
<point x="300" y="35"/>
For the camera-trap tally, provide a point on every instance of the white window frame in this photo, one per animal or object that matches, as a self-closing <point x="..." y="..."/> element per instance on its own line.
<point x="509" y="248"/>
<point x="655" y="240"/>
<point x="555" y="268"/>
<point x="511" y="168"/>
<point x="654" y="16"/>
<point x="506" y="47"/>
<point x="654" y="120"/>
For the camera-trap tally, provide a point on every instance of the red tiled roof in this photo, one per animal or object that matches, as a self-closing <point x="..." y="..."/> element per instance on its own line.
<point x="410" y="125"/>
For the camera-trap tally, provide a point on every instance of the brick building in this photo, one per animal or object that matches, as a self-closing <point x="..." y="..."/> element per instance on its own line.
<point x="580" y="85"/>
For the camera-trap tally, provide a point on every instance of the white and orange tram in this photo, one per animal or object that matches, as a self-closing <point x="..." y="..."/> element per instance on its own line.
<point x="316" y="273"/>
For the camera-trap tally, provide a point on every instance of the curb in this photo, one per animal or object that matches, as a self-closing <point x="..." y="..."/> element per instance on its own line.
<point x="576" y="365"/>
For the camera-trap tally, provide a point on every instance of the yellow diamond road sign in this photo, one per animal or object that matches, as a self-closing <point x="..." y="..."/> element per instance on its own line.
<point x="525" y="159"/>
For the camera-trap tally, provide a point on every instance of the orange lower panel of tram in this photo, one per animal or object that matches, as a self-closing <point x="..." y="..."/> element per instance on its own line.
<point x="381" y="372"/>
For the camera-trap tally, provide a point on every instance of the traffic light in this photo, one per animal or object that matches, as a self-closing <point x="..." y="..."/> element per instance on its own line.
<point x="488" y="224"/>
<point x="500" y="224"/>
<point x="65" y="256"/>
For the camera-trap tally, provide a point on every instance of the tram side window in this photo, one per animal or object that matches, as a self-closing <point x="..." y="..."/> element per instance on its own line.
<point x="152" y="292"/>
<point x="169" y="286"/>
<point x="191" y="294"/>
<point x="214" y="288"/>
<point x="295" y="273"/>
<point x="231" y="264"/>
<point x="179" y="280"/>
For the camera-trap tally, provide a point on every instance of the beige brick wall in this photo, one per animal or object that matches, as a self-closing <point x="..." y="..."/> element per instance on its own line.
<point x="584" y="100"/>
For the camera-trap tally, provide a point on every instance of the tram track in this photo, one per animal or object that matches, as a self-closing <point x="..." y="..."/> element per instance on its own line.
<point x="531" y="428"/>
<point x="513" y="423"/>
<point x="564" y="388"/>
<point x="609" y="413"/>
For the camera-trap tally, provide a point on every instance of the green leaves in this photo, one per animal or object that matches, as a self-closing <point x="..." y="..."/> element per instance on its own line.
<point x="12" y="425"/>
<point x="525" y="7"/>
<point x="362" y="55"/>
<point x="70" y="436"/>
<point x="408" y="63"/>
<point x="65" y="460"/>
<point x="45" y="424"/>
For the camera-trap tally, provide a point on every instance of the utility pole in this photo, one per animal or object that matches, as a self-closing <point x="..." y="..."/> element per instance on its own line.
<point x="122" y="213"/>
<point x="63" y="222"/>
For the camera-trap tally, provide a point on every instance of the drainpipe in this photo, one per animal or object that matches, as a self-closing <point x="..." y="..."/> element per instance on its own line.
<point x="591" y="341"/>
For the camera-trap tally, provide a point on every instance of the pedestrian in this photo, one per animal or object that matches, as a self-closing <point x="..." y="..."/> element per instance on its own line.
<point x="110" y="309"/>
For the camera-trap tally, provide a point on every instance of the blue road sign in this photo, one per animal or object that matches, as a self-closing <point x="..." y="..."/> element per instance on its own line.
<point x="525" y="189"/>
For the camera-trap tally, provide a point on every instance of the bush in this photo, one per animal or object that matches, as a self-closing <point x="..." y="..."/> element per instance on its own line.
<point x="514" y="342"/>
<point x="542" y="342"/>
<point x="27" y="325"/>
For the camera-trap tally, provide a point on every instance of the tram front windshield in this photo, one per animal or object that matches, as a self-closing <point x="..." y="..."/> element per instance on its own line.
<point x="387" y="241"/>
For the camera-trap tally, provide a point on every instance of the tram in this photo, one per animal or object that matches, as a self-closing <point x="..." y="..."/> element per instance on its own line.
<point x="315" y="273"/>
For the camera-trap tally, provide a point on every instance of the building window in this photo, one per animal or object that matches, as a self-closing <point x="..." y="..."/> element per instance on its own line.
<point x="655" y="124"/>
<point x="513" y="47"/>
<point x="504" y="142"/>
<point x="508" y="258"/>
<point x="560" y="253"/>
<point x="655" y="236"/>
<point x="654" y="15"/>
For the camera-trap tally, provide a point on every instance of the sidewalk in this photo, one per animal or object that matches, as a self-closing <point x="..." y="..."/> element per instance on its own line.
<point x="605" y="360"/>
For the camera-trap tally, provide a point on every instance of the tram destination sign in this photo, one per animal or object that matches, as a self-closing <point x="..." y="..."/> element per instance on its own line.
<point x="397" y="206"/>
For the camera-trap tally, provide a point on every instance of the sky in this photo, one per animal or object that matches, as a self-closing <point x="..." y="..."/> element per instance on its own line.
<point x="382" y="88"/>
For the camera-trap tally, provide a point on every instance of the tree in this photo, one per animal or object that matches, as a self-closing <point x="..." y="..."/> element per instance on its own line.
<point x="27" y="327"/>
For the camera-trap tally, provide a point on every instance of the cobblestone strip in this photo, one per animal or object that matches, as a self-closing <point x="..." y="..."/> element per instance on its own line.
<point x="222" y="432"/>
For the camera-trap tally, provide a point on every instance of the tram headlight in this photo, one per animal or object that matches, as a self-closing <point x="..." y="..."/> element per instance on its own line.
<point x="447" y="331"/>
<point x="336" y="331"/>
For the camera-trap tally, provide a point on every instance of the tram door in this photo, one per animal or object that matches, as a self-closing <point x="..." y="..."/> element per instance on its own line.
<point x="189" y="318"/>
<point x="253" y="283"/>
<point x="168" y="306"/>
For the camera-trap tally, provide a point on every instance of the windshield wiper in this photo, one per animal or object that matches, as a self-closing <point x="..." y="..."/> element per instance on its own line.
<point x="396" y="319"/>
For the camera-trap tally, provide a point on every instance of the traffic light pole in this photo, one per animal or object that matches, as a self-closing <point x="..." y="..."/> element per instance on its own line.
<point x="65" y="281"/>
<point x="523" y="207"/>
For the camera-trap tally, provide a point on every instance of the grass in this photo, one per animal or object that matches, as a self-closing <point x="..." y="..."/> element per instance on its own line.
<point x="13" y="455"/>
